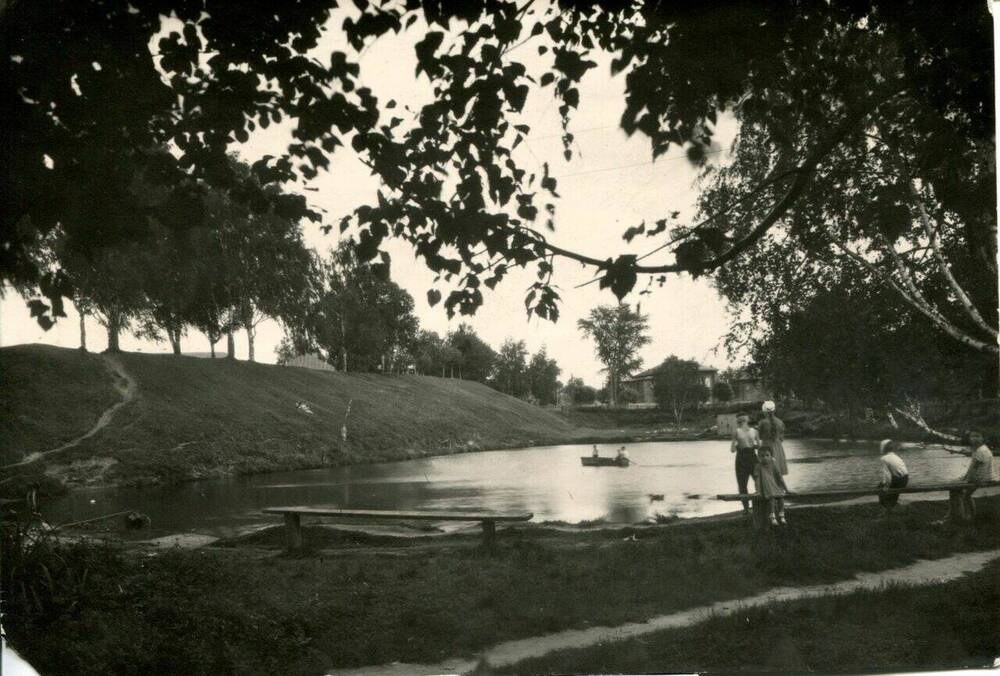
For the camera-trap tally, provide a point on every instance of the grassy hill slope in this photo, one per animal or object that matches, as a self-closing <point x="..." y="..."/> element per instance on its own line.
<point x="196" y="418"/>
<point x="48" y="396"/>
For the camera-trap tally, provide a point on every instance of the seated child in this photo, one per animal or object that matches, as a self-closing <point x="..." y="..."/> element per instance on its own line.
<point x="980" y="469"/>
<point x="893" y="474"/>
<point x="771" y="485"/>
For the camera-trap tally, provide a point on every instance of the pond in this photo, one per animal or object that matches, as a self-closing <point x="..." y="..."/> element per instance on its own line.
<point x="548" y="481"/>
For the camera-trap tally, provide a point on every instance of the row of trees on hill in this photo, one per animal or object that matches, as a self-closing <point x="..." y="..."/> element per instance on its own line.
<point x="227" y="270"/>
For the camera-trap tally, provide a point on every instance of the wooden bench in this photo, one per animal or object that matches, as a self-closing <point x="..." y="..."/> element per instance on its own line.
<point x="293" y="524"/>
<point x="957" y="508"/>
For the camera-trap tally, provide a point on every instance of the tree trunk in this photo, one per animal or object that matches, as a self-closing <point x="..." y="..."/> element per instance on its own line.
<point x="230" y="343"/>
<point x="83" y="331"/>
<point x="250" y="336"/>
<point x="211" y="346"/>
<point x="174" y="335"/>
<point x="114" y="328"/>
<point x="343" y="345"/>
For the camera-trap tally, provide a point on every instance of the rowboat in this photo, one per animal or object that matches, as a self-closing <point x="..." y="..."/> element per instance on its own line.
<point x="598" y="461"/>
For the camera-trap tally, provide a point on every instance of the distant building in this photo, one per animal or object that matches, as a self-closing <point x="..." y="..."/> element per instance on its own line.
<point x="749" y="388"/>
<point x="725" y="424"/>
<point x="310" y="361"/>
<point x="641" y="384"/>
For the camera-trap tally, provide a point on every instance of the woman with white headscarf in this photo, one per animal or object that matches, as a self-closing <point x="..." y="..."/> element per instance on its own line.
<point x="772" y="434"/>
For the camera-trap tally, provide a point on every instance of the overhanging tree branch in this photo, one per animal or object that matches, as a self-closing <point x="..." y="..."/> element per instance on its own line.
<point x="802" y="173"/>
<point x="911" y="294"/>
<point x="945" y="267"/>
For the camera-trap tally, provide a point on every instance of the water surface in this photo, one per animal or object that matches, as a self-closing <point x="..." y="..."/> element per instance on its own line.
<point x="548" y="481"/>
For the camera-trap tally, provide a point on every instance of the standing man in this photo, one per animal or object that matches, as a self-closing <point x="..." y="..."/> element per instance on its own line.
<point x="772" y="434"/>
<point x="745" y="444"/>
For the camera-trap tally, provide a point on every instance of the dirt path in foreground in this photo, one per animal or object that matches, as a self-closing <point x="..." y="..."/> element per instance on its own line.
<point x="920" y="573"/>
<point x="125" y="385"/>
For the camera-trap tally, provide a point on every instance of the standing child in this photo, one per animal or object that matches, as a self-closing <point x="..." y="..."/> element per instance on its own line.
<point x="771" y="485"/>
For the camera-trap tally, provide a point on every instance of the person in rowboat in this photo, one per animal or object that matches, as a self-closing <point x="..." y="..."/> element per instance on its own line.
<point x="623" y="456"/>
<point x="594" y="454"/>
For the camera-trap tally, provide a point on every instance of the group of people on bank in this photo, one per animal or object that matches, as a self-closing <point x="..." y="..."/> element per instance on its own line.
<point x="760" y="454"/>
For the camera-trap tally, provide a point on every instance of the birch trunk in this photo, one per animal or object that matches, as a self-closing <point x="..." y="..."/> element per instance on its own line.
<point x="83" y="331"/>
<point x="250" y="336"/>
<point x="174" y="335"/>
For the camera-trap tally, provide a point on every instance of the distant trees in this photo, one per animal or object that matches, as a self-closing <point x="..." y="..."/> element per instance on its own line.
<point x="618" y="333"/>
<point x="476" y="359"/>
<point x="360" y="319"/>
<point x="510" y="373"/>
<point x="463" y="354"/>
<point x="543" y="378"/>
<point x="431" y="355"/>
<point x="857" y="347"/>
<point x="578" y="392"/>
<point x="722" y="391"/>
<point x="677" y="385"/>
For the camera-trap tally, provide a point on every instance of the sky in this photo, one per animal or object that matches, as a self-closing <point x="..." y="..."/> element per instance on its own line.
<point x="610" y="184"/>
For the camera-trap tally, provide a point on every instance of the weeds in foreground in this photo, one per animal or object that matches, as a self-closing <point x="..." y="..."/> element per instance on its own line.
<point x="227" y="610"/>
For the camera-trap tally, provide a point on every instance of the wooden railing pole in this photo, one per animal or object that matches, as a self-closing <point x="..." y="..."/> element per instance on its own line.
<point x="293" y="531"/>
<point x="760" y="521"/>
<point x="489" y="532"/>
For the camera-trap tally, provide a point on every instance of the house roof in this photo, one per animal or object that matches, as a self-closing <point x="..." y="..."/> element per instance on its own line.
<point x="649" y="373"/>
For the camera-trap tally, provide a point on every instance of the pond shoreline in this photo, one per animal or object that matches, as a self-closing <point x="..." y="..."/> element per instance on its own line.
<point x="69" y="481"/>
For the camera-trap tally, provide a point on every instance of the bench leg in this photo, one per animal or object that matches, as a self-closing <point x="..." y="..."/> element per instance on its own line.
<point x="961" y="509"/>
<point x="956" y="506"/>
<point x="489" y="532"/>
<point x="293" y="531"/>
<point x="760" y="520"/>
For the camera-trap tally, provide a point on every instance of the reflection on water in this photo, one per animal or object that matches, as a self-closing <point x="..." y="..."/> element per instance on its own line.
<point x="547" y="481"/>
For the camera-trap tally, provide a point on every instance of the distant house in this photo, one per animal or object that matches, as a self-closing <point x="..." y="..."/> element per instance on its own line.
<point x="310" y="361"/>
<point x="641" y="384"/>
<point x="749" y="388"/>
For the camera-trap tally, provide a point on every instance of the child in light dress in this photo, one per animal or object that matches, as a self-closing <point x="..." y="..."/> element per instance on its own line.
<point x="771" y="485"/>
